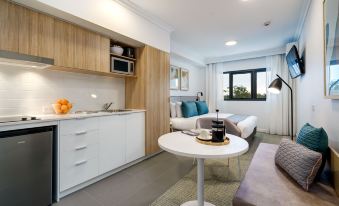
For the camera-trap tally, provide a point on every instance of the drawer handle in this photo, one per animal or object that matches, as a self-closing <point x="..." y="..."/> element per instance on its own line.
<point x="81" y="132"/>
<point x="80" y="162"/>
<point x="81" y="147"/>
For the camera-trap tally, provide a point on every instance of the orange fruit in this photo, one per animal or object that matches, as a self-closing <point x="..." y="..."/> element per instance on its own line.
<point x="59" y="101"/>
<point x="69" y="105"/>
<point x="64" y="101"/>
<point x="58" y="106"/>
<point x="64" y="108"/>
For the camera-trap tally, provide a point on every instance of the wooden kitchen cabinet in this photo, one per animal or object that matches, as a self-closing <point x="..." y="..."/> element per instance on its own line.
<point x="26" y="31"/>
<point x="9" y="26"/>
<point x="104" y="55"/>
<point x="73" y="48"/>
<point x="91" y="50"/>
<point x="64" y="44"/>
<point x="45" y="36"/>
<point x="150" y="91"/>
<point x="36" y="33"/>
<point x="87" y="49"/>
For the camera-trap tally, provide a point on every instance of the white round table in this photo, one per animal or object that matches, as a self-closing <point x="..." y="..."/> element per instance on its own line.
<point x="185" y="145"/>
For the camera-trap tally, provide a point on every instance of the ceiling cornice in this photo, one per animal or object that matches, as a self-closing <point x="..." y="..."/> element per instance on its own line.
<point x="198" y="64"/>
<point x="248" y="55"/>
<point x="141" y="12"/>
<point x="303" y="14"/>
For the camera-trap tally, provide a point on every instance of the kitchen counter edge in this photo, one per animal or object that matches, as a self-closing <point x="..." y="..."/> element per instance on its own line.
<point x="47" y="120"/>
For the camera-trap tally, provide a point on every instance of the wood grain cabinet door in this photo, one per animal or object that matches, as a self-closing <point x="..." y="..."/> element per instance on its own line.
<point x="104" y="55"/>
<point x="45" y="36"/>
<point x="26" y="31"/>
<point x="157" y="98"/>
<point x="36" y="33"/>
<point x="150" y="91"/>
<point x="92" y="51"/>
<point x="9" y="26"/>
<point x="87" y="50"/>
<point x="64" y="44"/>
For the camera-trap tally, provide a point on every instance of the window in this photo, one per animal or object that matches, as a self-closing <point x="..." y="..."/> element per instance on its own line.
<point x="247" y="85"/>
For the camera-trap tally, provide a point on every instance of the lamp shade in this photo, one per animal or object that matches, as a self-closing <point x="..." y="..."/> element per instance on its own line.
<point x="275" y="86"/>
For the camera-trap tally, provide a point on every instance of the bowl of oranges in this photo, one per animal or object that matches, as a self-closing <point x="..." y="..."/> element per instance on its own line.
<point x="62" y="106"/>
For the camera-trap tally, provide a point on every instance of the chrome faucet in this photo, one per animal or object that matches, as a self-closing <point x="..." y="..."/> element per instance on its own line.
<point x="107" y="106"/>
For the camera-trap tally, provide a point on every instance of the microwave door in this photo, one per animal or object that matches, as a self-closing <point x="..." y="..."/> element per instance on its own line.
<point x="120" y="66"/>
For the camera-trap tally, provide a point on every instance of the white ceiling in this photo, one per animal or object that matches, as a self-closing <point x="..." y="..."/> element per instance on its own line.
<point x="203" y="26"/>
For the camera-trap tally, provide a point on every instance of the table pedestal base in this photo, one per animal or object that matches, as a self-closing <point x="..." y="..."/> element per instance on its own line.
<point x="195" y="203"/>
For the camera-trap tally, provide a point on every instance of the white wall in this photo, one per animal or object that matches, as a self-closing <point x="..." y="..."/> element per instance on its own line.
<point x="196" y="76"/>
<point x="27" y="91"/>
<point x="256" y="108"/>
<point x="179" y="50"/>
<point x="310" y="87"/>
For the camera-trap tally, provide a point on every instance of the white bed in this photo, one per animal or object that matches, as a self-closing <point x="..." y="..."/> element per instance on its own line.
<point x="246" y="126"/>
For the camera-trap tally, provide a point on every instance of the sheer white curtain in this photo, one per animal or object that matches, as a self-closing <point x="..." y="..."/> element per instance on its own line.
<point x="278" y="104"/>
<point x="213" y="85"/>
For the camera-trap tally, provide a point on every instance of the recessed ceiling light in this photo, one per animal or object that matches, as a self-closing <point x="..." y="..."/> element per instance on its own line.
<point x="231" y="43"/>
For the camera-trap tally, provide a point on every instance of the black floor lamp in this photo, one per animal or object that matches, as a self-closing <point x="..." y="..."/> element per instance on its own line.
<point x="275" y="88"/>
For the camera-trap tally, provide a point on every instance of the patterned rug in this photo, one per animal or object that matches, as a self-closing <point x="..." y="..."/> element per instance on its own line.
<point x="221" y="181"/>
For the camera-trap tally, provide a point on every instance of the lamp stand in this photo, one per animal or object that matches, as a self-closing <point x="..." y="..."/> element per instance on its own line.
<point x="291" y="104"/>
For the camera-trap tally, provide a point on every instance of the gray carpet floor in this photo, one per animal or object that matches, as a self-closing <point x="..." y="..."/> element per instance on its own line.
<point x="221" y="180"/>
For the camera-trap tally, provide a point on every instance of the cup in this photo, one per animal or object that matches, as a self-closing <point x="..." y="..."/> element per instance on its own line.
<point x="204" y="133"/>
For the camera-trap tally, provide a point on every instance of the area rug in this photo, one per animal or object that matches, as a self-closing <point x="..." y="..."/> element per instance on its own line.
<point x="221" y="180"/>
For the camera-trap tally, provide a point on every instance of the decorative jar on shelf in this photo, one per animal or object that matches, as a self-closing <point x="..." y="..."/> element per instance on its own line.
<point x="116" y="49"/>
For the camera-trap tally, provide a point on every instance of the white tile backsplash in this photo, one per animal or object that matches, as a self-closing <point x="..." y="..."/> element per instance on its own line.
<point x="28" y="91"/>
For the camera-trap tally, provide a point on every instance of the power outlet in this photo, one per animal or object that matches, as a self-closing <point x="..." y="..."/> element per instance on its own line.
<point x="313" y="108"/>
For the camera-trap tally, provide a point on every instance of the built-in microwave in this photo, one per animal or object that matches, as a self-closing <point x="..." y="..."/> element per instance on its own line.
<point x="123" y="66"/>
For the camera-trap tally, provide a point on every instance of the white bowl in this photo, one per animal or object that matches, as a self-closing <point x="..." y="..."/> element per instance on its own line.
<point x="117" y="50"/>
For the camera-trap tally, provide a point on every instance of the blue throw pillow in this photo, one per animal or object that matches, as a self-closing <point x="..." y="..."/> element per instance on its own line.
<point x="314" y="139"/>
<point x="189" y="109"/>
<point x="202" y="107"/>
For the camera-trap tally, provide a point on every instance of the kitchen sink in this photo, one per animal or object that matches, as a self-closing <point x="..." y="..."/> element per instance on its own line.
<point x="106" y="111"/>
<point x="117" y="110"/>
<point x="86" y="112"/>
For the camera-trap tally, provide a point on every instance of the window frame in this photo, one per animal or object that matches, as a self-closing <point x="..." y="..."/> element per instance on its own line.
<point x="253" y="73"/>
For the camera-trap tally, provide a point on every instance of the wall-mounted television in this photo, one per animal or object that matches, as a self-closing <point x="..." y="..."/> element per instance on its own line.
<point x="295" y="64"/>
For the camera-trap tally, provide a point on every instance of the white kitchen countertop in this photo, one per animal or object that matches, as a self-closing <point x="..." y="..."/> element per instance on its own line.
<point x="52" y="119"/>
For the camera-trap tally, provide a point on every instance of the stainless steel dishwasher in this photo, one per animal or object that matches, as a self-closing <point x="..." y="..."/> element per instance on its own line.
<point x="26" y="167"/>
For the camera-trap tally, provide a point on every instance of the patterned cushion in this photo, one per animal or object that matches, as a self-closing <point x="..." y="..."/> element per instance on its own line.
<point x="189" y="109"/>
<point x="313" y="138"/>
<point x="301" y="163"/>
<point x="202" y="107"/>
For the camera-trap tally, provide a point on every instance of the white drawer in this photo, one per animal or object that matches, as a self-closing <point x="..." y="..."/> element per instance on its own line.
<point x="78" y="126"/>
<point x="78" y="141"/>
<point x="69" y="158"/>
<point x="80" y="171"/>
